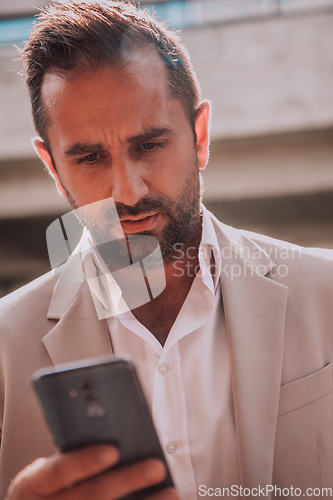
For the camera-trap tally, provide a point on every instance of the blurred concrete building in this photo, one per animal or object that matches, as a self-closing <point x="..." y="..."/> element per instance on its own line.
<point x="267" y="67"/>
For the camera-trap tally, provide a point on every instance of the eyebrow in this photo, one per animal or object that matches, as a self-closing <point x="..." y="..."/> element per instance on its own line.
<point x="80" y="149"/>
<point x="150" y="134"/>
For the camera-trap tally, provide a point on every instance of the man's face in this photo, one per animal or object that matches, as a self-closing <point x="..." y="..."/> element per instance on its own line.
<point x="117" y="133"/>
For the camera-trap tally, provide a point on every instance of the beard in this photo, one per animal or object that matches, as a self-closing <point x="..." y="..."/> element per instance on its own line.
<point x="180" y="230"/>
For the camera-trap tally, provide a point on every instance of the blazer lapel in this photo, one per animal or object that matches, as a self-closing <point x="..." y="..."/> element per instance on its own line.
<point x="255" y="309"/>
<point x="79" y="334"/>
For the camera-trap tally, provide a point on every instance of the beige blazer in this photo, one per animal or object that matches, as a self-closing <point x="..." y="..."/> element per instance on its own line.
<point x="278" y="302"/>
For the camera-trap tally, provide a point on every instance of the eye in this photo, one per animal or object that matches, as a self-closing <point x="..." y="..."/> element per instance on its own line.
<point x="91" y="158"/>
<point x="148" y="146"/>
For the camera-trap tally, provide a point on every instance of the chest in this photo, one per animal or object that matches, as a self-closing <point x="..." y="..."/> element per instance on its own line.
<point x="159" y="315"/>
<point x="159" y="318"/>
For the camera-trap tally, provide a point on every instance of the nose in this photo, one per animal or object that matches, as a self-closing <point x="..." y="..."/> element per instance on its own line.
<point x="128" y="184"/>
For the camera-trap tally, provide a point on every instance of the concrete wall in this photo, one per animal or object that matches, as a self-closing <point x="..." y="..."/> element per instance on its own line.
<point x="16" y="129"/>
<point x="19" y="7"/>
<point x="267" y="76"/>
<point x="274" y="165"/>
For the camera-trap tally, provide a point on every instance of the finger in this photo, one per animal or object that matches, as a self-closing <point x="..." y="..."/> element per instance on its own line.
<point x="115" y="484"/>
<point x="47" y="476"/>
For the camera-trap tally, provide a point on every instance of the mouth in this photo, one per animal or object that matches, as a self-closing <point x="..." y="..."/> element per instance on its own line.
<point x="139" y="223"/>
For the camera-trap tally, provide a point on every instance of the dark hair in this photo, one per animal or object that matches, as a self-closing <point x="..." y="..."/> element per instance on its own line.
<point x="70" y="36"/>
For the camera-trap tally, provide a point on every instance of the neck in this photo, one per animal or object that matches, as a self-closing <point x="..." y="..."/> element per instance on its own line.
<point x="160" y="314"/>
<point x="182" y="266"/>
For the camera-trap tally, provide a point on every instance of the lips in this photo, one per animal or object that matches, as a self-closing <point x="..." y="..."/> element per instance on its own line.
<point x="139" y="223"/>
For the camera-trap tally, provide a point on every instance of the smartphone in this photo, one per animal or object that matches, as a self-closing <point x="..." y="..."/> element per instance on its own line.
<point x="98" y="403"/>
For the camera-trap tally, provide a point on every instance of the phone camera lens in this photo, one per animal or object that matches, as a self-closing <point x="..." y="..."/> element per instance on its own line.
<point x="93" y="393"/>
<point x="88" y="390"/>
<point x="95" y="410"/>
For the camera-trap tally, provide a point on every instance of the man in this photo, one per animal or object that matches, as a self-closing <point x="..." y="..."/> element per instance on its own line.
<point x="235" y="355"/>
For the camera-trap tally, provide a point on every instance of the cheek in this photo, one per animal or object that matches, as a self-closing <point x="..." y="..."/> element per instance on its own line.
<point x="177" y="166"/>
<point x="77" y="186"/>
<point x="184" y="168"/>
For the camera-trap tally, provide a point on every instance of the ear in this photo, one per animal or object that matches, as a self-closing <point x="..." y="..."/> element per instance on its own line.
<point x="46" y="158"/>
<point x="202" y="129"/>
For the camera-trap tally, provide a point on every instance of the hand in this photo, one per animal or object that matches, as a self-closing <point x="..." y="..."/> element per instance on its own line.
<point x="84" y="475"/>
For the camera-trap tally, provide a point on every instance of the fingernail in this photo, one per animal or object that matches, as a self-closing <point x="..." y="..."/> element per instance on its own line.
<point x="107" y="455"/>
<point x="154" y="471"/>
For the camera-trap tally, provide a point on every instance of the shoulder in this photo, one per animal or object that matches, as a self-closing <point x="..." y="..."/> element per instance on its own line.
<point x="293" y="265"/>
<point x="312" y="265"/>
<point x="28" y="302"/>
<point x="276" y="249"/>
<point x="283" y="248"/>
<point x="294" y="256"/>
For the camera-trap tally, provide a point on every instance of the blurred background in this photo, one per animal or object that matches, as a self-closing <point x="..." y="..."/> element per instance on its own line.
<point x="267" y="67"/>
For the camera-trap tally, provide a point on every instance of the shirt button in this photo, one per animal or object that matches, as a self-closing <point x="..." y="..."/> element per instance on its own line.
<point x="162" y="369"/>
<point x="171" y="447"/>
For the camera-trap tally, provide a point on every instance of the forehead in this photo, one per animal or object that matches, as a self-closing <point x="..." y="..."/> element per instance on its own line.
<point x="109" y="105"/>
<point x="135" y="95"/>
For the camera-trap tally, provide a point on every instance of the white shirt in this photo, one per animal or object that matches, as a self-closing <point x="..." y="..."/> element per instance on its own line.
<point x="187" y="383"/>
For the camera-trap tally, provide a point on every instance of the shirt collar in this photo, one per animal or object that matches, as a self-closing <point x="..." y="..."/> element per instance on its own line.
<point x="209" y="252"/>
<point x="106" y="292"/>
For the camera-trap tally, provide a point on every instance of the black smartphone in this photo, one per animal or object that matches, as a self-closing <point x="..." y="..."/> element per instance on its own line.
<point x="98" y="403"/>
